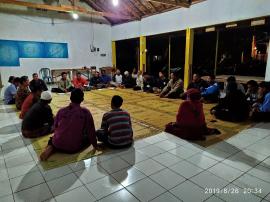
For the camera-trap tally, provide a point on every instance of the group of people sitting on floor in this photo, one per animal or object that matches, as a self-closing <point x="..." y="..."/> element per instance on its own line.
<point x="74" y="128"/>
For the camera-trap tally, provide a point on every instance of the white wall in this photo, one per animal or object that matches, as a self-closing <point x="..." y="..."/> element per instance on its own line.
<point x="209" y="12"/>
<point x="77" y="34"/>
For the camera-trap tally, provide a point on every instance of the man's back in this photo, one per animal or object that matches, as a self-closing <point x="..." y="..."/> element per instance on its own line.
<point x="118" y="125"/>
<point x="37" y="116"/>
<point x="72" y="125"/>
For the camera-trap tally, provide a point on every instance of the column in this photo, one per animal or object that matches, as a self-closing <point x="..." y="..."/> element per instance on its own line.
<point x="143" y="52"/>
<point x="188" y="57"/>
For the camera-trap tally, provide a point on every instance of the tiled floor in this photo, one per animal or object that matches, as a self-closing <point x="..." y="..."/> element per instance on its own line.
<point x="159" y="168"/>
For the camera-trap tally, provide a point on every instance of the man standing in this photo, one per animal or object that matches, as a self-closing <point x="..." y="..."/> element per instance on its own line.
<point x="74" y="128"/>
<point x="37" y="82"/>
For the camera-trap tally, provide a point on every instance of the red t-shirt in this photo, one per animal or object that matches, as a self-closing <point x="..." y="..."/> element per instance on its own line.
<point x="79" y="83"/>
<point x="27" y="104"/>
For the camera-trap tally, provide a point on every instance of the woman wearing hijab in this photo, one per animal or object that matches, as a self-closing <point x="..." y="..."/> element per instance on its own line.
<point x="190" y="120"/>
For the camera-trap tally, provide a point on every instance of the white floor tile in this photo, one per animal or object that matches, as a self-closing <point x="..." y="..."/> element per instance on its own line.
<point x="261" y="172"/>
<point x="151" y="150"/>
<point x="238" y="196"/>
<point x="249" y="155"/>
<point x="202" y="161"/>
<point x="168" y="197"/>
<point x="214" y="199"/>
<point x="55" y="173"/>
<point x="18" y="160"/>
<point x="37" y="193"/>
<point x="208" y="180"/>
<point x="260" y="148"/>
<point x="167" y="159"/>
<point x="104" y="187"/>
<point x="3" y="174"/>
<point x="22" y="169"/>
<point x="266" y="163"/>
<point x="26" y="181"/>
<point x="154" y="139"/>
<point x="8" y="198"/>
<point x="91" y="174"/>
<point x="186" y="169"/>
<point x="13" y="145"/>
<point x="120" y="196"/>
<point x="79" y="165"/>
<point x="226" y="172"/>
<point x="183" y="152"/>
<point x="167" y="178"/>
<point x="134" y="157"/>
<point x="216" y="154"/>
<point x="113" y="165"/>
<point x="80" y="194"/>
<point x="148" y="167"/>
<point x="166" y="145"/>
<point x="188" y="191"/>
<point x="5" y="188"/>
<point x="13" y="152"/>
<point x="64" y="184"/>
<point x="248" y="181"/>
<point x="267" y="197"/>
<point x="129" y="176"/>
<point x="145" y="189"/>
<point x="226" y="147"/>
<point x="240" y="164"/>
<point x="138" y="144"/>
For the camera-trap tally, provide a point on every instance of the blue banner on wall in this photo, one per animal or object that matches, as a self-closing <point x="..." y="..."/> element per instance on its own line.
<point x="12" y="51"/>
<point x="9" y="53"/>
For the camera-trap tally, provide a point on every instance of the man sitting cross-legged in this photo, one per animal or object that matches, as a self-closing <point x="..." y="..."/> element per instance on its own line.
<point x="38" y="121"/>
<point x="116" y="130"/>
<point x="74" y="128"/>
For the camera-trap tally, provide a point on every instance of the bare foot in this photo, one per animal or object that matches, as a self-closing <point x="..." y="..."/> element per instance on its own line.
<point x="46" y="153"/>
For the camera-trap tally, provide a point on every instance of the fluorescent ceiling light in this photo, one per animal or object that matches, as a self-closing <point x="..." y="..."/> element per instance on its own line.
<point x="75" y="16"/>
<point x="231" y="25"/>
<point x="115" y="2"/>
<point x="210" y="29"/>
<point x="258" y="22"/>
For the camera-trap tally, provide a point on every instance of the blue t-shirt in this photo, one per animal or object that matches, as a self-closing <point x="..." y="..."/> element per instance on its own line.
<point x="10" y="93"/>
<point x="105" y="79"/>
<point x="265" y="107"/>
<point x="213" y="89"/>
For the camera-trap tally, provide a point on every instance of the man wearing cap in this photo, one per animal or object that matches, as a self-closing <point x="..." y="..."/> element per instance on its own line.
<point x="74" y="128"/>
<point x="190" y="120"/>
<point x="128" y="82"/>
<point x="38" y="121"/>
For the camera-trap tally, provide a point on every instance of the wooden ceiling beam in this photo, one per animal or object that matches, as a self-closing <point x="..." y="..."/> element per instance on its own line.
<point x="64" y="8"/>
<point x="130" y="2"/>
<point x="130" y="10"/>
<point x="151" y="4"/>
<point x="175" y="3"/>
<point x="94" y="6"/>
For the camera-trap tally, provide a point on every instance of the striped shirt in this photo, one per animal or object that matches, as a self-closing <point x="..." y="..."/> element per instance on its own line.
<point x="117" y="125"/>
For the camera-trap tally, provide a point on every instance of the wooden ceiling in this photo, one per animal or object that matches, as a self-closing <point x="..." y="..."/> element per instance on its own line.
<point x="137" y="9"/>
<point x="127" y="10"/>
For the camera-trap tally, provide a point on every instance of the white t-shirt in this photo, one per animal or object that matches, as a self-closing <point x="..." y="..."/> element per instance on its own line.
<point x="118" y="79"/>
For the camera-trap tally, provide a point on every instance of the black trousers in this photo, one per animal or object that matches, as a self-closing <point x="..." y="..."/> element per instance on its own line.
<point x="58" y="90"/>
<point x="261" y="116"/>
